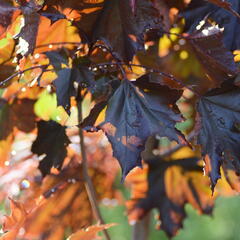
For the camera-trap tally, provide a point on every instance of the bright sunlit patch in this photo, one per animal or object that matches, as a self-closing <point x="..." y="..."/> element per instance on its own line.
<point x="183" y="55"/>
<point x="3" y="42"/>
<point x="37" y="55"/>
<point x="236" y="55"/>
<point x="6" y="163"/>
<point x="164" y="45"/>
<point x="174" y="31"/>
<point x="23" y="46"/>
<point x="205" y="32"/>
<point x="25" y="183"/>
<point x="21" y="231"/>
<point x="13" y="152"/>
<point x="200" y="25"/>
<point x="58" y="118"/>
<point x="14" y="189"/>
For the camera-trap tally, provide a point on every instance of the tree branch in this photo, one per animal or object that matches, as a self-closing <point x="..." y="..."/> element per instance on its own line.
<point x="19" y="73"/>
<point x="141" y="228"/>
<point x="88" y="182"/>
<point x="150" y="70"/>
<point x="120" y="66"/>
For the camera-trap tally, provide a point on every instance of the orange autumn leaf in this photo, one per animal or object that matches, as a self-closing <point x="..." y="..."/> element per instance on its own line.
<point x="90" y="232"/>
<point x="5" y="149"/>
<point x="13" y="223"/>
<point x="170" y="185"/>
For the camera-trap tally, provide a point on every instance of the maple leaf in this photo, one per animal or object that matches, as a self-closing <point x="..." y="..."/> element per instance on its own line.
<point x="133" y="115"/>
<point x="67" y="191"/>
<point x="60" y="32"/>
<point x="57" y="58"/>
<point x="65" y="88"/>
<point x="219" y="133"/>
<point x="171" y="184"/>
<point x="163" y="9"/>
<point x="225" y="4"/>
<point x="65" y="81"/>
<point x="121" y="30"/>
<point x="6" y="12"/>
<point x="232" y="177"/>
<point x="216" y="59"/>
<point x="69" y="79"/>
<point x="89" y="233"/>
<point x="52" y="141"/>
<point x="82" y="14"/>
<point x="13" y="223"/>
<point x="28" y="33"/>
<point x="199" y="10"/>
<point x="37" y="216"/>
<point x="101" y="93"/>
<point x="51" y="13"/>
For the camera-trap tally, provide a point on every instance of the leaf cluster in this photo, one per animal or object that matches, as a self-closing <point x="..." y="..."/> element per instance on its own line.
<point x="132" y="70"/>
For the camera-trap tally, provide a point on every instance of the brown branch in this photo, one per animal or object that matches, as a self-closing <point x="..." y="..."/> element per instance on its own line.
<point x="141" y="228"/>
<point x="87" y="179"/>
<point x="120" y="66"/>
<point x="150" y="70"/>
<point x="19" y="73"/>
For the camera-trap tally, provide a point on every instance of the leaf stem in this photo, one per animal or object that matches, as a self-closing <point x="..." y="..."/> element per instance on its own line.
<point x="172" y="150"/>
<point x="87" y="179"/>
<point x="151" y="70"/>
<point x="120" y="66"/>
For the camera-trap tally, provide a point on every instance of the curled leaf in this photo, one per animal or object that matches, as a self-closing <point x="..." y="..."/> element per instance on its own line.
<point x="133" y="115"/>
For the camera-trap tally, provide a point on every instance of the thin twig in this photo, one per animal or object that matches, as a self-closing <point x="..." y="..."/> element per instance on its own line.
<point x="88" y="182"/>
<point x="120" y="66"/>
<point x="150" y="70"/>
<point x="177" y="147"/>
<point x="58" y="43"/>
<point x="179" y="35"/>
<point x="19" y="73"/>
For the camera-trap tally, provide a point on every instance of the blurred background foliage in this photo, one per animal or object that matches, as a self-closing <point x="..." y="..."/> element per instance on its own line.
<point x="223" y="224"/>
<point x="59" y="204"/>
